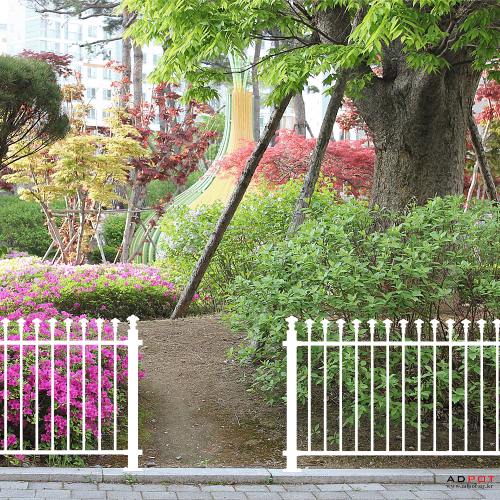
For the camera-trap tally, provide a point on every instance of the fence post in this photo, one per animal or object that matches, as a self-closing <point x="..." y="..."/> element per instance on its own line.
<point x="133" y="343"/>
<point x="291" y="397"/>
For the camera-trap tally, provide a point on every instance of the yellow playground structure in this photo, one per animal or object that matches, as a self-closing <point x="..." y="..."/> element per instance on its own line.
<point x="211" y="186"/>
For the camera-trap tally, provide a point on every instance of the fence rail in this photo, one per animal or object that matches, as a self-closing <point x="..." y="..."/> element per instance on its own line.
<point x="391" y="383"/>
<point x="65" y="361"/>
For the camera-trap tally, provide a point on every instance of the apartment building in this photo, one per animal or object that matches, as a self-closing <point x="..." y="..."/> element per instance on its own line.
<point x="24" y="28"/>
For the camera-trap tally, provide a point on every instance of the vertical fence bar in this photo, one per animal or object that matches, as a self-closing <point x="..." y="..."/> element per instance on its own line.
<point x="291" y="396"/>
<point x="340" y="324"/>
<point x="36" y="322"/>
<point x="325" y="378"/>
<point x="52" y="382"/>
<point x="419" y="381"/>
<point x="309" y="324"/>
<point x="481" y="324"/>
<point x="133" y="395"/>
<point x="356" y="368"/>
<point x="387" y="394"/>
<point x="497" y="332"/>
<point x="68" y="323"/>
<point x="115" y="367"/>
<point x="99" y="323"/>
<point x="21" y="368"/>
<point x="450" y="387"/>
<point x="434" y="380"/>
<point x="5" y="322"/>
<point x="466" y="386"/>
<point x="372" y="385"/>
<point x="84" y="380"/>
<point x="403" y="324"/>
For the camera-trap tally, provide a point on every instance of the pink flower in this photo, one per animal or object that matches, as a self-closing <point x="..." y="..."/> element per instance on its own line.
<point x="76" y="304"/>
<point x="103" y="307"/>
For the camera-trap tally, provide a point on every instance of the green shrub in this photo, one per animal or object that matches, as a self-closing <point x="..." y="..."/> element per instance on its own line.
<point x="114" y="227"/>
<point x="262" y="217"/>
<point x="109" y="252"/>
<point x="116" y="299"/>
<point x="22" y="226"/>
<point x="436" y="262"/>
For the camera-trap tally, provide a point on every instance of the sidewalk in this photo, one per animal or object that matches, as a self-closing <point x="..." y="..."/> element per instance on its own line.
<point x="247" y="484"/>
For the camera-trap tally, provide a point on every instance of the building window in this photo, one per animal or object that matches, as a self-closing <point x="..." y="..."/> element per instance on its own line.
<point x="91" y="114"/>
<point x="106" y="74"/>
<point x="156" y="58"/>
<point x="105" y="113"/>
<point x="91" y="72"/>
<point x="91" y="92"/>
<point x="73" y="32"/>
<point x="54" y="30"/>
<point x="106" y="94"/>
<point x="144" y="59"/>
<point x="93" y="31"/>
<point x="53" y="47"/>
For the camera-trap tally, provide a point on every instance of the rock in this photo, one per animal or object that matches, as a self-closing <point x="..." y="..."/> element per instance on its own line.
<point x="150" y="464"/>
<point x="178" y="458"/>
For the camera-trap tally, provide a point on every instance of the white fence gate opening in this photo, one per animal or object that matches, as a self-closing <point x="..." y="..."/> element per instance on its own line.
<point x="382" y="389"/>
<point x="75" y="373"/>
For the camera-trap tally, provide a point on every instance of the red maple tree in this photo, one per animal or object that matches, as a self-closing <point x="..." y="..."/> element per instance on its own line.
<point x="348" y="165"/>
<point x="60" y="62"/>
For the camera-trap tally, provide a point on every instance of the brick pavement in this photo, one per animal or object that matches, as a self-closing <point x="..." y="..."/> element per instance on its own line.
<point x="53" y="490"/>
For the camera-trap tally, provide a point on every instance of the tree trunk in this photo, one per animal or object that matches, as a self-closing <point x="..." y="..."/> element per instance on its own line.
<point x="317" y="156"/>
<point x="226" y="216"/>
<point x="482" y="161"/>
<point x="300" y="114"/>
<point x="137" y="76"/>
<point x="126" y="54"/>
<point x="256" y="92"/>
<point x="418" y="122"/>
<point x="476" y="168"/>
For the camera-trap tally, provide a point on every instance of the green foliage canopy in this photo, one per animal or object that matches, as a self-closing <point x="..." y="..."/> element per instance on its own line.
<point x="30" y="108"/>
<point x="326" y="36"/>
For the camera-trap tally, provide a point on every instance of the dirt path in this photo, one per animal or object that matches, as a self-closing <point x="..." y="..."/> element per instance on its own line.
<point x="195" y="402"/>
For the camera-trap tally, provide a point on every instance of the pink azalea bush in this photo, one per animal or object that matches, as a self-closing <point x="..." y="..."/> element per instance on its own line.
<point x="109" y="406"/>
<point x="106" y="290"/>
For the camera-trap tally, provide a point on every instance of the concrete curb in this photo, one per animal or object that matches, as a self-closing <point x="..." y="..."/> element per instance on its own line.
<point x="242" y="476"/>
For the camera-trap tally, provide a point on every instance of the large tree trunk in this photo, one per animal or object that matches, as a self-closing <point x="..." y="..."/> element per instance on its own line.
<point x="300" y="114"/>
<point x="418" y="122"/>
<point x="226" y="216"/>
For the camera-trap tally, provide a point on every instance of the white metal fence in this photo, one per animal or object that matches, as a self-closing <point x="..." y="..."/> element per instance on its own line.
<point x="56" y="361"/>
<point x="382" y="389"/>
